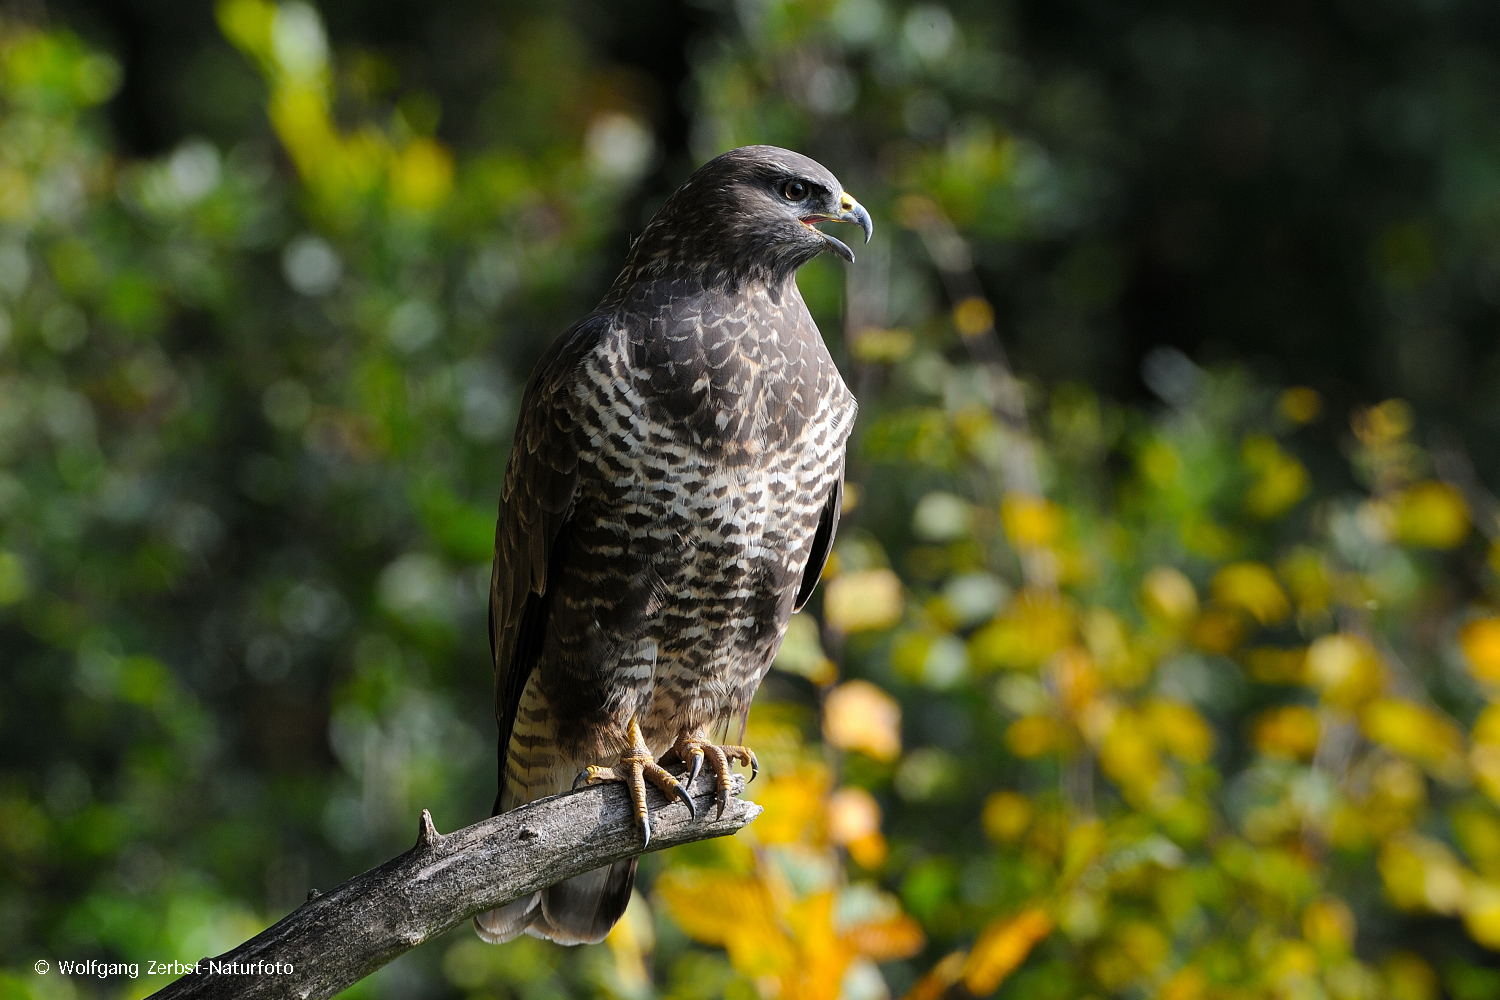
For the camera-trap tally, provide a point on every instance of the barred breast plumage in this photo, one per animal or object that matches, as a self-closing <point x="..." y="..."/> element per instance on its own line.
<point x="672" y="494"/>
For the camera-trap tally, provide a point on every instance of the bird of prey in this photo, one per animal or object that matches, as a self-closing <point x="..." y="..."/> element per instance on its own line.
<point x="670" y="500"/>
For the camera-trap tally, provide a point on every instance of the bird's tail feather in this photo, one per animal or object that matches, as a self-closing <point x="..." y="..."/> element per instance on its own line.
<point x="499" y="925"/>
<point x="583" y="909"/>
<point x="580" y="910"/>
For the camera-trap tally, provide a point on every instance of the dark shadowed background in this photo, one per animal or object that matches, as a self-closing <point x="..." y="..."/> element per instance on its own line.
<point x="1273" y="186"/>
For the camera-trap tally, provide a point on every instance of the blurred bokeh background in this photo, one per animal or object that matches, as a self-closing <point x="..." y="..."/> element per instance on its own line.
<point x="1160" y="652"/>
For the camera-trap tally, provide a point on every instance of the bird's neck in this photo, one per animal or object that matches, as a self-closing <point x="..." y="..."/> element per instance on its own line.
<point x="726" y="257"/>
<point x="647" y="275"/>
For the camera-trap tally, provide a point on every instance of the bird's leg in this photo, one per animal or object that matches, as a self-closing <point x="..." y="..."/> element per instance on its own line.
<point x="692" y="748"/>
<point x="636" y="767"/>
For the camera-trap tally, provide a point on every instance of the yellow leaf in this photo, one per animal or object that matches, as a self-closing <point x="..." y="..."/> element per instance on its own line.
<point x="1188" y="984"/>
<point x="421" y="175"/>
<point x="882" y="346"/>
<point x="794" y="808"/>
<point x="1033" y="628"/>
<point x="299" y="113"/>
<point x="775" y="730"/>
<point x="794" y="950"/>
<point x="869" y="851"/>
<point x="1033" y="735"/>
<point x="1218" y="631"/>
<point x="1202" y="537"/>
<point x="822" y="954"/>
<point x="857" y="715"/>
<point x="1166" y="593"/>
<point x="973" y="316"/>
<point x="1420" y="873"/>
<point x="853" y="814"/>
<point x="1031" y="522"/>
<point x="1328" y="925"/>
<point x="1280" y="479"/>
<point x="1398" y="785"/>
<point x="1143" y="946"/>
<point x="1345" y="668"/>
<point x="1480" y="641"/>
<point x="1432" y="515"/>
<point x="1482" y="913"/>
<point x="1290" y="732"/>
<point x="1487" y="726"/>
<point x="1179" y="730"/>
<point x="1108" y="642"/>
<point x="1251" y="587"/>
<point x="1309" y="579"/>
<point x="1384" y="424"/>
<point x="886" y="940"/>
<point x="863" y="600"/>
<point x="1484" y="758"/>
<point x="1418" y="733"/>
<point x="247" y="24"/>
<point x="1075" y="679"/>
<point x="1478" y="832"/>
<point x="1291" y="962"/>
<point x="1128" y="754"/>
<point x="1083" y="844"/>
<point x="1300" y="404"/>
<point x="1409" y="977"/>
<point x="1006" y="816"/>
<point x="735" y="912"/>
<point x="942" y="976"/>
<point x="1001" y="948"/>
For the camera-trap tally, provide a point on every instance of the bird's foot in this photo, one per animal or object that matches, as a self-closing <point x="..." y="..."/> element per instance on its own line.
<point x="695" y="748"/>
<point x="637" y="766"/>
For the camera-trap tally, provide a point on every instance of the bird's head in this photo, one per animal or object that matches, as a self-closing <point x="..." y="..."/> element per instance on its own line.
<point x="749" y="214"/>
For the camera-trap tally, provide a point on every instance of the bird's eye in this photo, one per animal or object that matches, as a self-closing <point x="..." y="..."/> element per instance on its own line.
<point x="794" y="190"/>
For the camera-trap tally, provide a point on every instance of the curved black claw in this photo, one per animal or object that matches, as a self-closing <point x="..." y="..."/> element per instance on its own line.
<point x="583" y="777"/>
<point x="723" y="801"/>
<point x="646" y="829"/>
<point x="687" y="800"/>
<point x="697" y="766"/>
<point x="755" y="764"/>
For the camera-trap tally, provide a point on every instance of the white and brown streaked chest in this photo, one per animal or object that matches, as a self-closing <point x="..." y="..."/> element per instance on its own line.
<point x="714" y="439"/>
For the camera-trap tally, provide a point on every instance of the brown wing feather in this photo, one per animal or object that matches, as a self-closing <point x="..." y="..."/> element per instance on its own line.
<point x="541" y="477"/>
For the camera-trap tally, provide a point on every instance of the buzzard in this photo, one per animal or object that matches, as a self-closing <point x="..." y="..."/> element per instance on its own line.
<point x="670" y="500"/>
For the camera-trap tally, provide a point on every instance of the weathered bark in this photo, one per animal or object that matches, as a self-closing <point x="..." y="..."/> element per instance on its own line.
<point x="338" y="938"/>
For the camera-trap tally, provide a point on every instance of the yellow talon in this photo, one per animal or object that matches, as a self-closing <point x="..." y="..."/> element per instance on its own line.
<point x="637" y="766"/>
<point x="693" y="748"/>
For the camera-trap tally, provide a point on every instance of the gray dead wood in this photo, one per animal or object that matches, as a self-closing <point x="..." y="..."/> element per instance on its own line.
<point x="338" y="938"/>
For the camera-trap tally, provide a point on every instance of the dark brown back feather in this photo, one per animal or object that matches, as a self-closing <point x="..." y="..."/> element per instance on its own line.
<point x="541" y="477"/>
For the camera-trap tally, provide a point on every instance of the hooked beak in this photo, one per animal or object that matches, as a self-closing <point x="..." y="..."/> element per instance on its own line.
<point x="849" y="211"/>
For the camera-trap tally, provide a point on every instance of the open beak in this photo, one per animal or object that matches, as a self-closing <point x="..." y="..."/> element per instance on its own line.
<point x="849" y="211"/>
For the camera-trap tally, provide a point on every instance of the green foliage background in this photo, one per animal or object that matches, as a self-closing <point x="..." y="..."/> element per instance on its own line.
<point x="1192" y="688"/>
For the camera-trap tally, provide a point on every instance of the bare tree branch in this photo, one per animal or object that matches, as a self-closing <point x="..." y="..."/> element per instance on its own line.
<point x="336" y="939"/>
